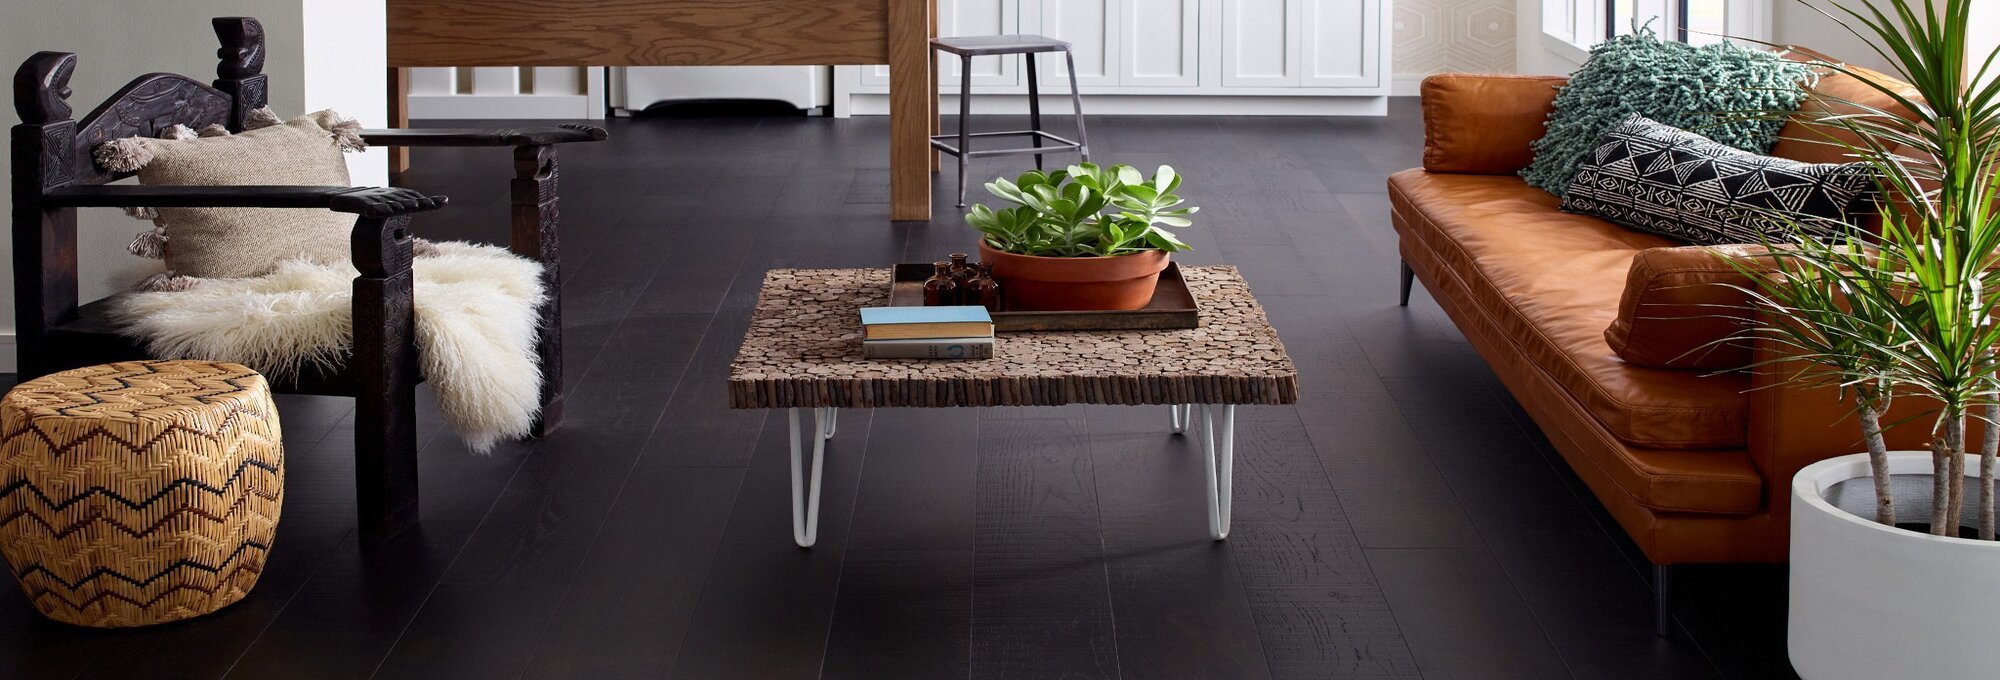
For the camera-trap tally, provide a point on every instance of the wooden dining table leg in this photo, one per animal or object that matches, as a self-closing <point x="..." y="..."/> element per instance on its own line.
<point x="910" y="109"/>
<point x="399" y="115"/>
<point x="937" y="125"/>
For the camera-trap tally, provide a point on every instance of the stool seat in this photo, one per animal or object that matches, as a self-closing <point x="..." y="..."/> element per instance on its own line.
<point x="139" y="492"/>
<point x="969" y="46"/>
<point x="983" y="45"/>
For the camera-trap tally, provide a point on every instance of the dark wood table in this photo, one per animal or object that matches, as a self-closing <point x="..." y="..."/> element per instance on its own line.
<point x="803" y="351"/>
<point x="699" y="33"/>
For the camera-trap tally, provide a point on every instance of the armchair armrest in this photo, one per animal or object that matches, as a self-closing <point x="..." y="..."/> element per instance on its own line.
<point x="1482" y="124"/>
<point x="370" y="202"/>
<point x="563" y="133"/>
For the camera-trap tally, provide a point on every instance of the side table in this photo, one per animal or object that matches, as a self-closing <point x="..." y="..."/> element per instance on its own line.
<point x="803" y="351"/>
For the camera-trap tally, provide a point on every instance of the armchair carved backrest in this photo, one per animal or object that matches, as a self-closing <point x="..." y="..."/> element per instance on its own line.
<point x="52" y="152"/>
<point x="144" y="107"/>
<point x="54" y="173"/>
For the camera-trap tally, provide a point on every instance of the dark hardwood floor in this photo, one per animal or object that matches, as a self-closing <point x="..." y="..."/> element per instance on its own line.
<point x="1404" y="520"/>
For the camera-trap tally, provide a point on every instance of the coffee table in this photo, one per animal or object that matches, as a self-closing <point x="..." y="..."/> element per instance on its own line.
<point x="803" y="351"/>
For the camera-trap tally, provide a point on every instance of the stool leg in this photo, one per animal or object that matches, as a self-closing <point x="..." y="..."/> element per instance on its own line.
<point x="964" y="122"/>
<point x="1034" y="106"/>
<point x="1076" y="101"/>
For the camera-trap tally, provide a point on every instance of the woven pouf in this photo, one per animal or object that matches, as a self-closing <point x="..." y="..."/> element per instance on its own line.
<point x="139" y="492"/>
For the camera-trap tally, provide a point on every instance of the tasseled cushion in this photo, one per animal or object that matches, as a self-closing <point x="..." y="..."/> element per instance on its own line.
<point x="241" y="242"/>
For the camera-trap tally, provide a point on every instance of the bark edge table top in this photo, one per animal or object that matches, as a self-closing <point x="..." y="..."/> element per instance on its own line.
<point x="803" y="350"/>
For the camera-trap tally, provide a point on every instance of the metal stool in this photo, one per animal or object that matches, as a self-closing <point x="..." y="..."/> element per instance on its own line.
<point x="967" y="47"/>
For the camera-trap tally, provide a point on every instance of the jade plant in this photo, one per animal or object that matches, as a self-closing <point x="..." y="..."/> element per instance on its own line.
<point x="1084" y="211"/>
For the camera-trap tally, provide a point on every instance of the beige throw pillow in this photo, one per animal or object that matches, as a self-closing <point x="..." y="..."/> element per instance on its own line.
<point x="244" y="242"/>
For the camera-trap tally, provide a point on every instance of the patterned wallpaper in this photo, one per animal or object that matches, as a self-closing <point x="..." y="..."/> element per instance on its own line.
<point x="1436" y="36"/>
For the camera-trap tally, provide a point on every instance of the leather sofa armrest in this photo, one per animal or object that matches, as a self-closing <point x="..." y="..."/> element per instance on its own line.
<point x="1682" y="308"/>
<point x="1480" y="124"/>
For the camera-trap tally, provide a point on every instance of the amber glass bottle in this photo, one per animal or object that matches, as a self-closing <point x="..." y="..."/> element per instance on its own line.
<point x="961" y="273"/>
<point x="940" y="288"/>
<point x="983" y="289"/>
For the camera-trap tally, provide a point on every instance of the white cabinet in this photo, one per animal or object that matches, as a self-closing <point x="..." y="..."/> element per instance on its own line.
<point x="966" y="17"/>
<point x="1336" y="47"/>
<point x="1167" y="56"/>
<point x="1159" y="43"/>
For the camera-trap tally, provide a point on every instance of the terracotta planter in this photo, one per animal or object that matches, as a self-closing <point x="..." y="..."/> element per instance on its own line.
<point x="1031" y="283"/>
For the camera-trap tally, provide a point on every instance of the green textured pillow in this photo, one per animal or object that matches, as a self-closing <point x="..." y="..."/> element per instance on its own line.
<point x="1691" y="88"/>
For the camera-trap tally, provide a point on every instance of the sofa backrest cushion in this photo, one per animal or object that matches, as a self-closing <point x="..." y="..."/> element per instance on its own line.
<point x="1483" y="124"/>
<point x="1681" y="307"/>
<point x="1834" y="92"/>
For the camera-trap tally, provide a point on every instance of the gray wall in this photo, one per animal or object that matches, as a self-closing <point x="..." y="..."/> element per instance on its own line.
<point x="321" y="53"/>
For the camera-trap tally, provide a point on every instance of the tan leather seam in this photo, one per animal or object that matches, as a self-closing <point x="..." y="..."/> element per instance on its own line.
<point x="1583" y="414"/>
<point x="1608" y="397"/>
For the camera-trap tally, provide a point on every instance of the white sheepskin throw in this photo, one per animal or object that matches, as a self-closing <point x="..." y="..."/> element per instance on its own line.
<point x="476" y="329"/>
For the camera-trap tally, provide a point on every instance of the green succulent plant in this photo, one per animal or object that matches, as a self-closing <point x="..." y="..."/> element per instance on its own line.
<point x="1084" y="211"/>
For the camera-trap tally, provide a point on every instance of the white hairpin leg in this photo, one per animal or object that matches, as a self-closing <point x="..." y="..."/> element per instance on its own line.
<point x="1180" y="413"/>
<point x="805" y="498"/>
<point x="1218" y="448"/>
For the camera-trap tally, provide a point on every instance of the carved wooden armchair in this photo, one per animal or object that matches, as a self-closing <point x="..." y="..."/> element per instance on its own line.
<point x="54" y="174"/>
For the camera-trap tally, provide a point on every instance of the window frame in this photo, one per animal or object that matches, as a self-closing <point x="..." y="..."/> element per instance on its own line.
<point x="1571" y="27"/>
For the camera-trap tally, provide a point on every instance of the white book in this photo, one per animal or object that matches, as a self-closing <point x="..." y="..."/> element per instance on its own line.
<point x="930" y="348"/>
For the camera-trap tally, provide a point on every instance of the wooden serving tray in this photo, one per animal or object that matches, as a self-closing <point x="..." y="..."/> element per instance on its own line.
<point x="1172" y="306"/>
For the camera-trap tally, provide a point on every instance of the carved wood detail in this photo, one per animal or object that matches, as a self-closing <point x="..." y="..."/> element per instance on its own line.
<point x="143" y="108"/>
<point x="385" y="375"/>
<point x="535" y="215"/>
<point x="41" y="87"/>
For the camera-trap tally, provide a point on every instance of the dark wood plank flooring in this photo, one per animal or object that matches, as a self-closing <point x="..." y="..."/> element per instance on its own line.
<point x="1405" y="520"/>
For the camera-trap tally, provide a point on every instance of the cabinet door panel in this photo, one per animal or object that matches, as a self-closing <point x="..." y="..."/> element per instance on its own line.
<point x="1340" y="43"/>
<point x="969" y="17"/>
<point x="1161" y="43"/>
<point x="1260" y="43"/>
<point x="1091" y="27"/>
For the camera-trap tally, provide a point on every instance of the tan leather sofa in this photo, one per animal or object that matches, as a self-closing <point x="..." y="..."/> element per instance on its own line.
<point x="1695" y="466"/>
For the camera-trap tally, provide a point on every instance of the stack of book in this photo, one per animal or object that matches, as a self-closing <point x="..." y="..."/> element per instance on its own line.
<point x="926" y="333"/>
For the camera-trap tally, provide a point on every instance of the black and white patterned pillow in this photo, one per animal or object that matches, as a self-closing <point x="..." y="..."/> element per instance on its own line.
<point x="1653" y="177"/>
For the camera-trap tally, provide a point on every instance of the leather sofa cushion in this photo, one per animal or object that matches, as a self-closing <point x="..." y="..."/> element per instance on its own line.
<point x="1810" y="143"/>
<point x="1483" y="124"/>
<point x="1681" y="307"/>
<point x="1553" y="281"/>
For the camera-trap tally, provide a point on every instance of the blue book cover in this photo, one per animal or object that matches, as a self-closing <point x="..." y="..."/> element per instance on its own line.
<point x="883" y="316"/>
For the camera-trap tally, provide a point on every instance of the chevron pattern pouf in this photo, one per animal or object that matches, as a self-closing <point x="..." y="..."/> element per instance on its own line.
<point x="139" y="492"/>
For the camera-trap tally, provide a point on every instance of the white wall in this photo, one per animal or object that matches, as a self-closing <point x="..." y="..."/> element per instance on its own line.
<point x="321" y="54"/>
<point x="1985" y="33"/>
<point x="1439" y="36"/>
<point x="1795" y="23"/>
<point x="1536" y="53"/>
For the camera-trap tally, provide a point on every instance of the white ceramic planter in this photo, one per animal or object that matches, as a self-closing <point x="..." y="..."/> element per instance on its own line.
<point x="1873" y="602"/>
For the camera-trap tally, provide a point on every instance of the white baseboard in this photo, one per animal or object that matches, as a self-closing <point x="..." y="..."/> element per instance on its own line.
<point x="506" y="106"/>
<point x="7" y="364"/>
<point x="864" y="104"/>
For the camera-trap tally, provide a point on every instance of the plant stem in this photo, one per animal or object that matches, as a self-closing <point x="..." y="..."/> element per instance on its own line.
<point x="1944" y="448"/>
<point x="1878" y="464"/>
<point x="1988" y="451"/>
<point x="1955" y="485"/>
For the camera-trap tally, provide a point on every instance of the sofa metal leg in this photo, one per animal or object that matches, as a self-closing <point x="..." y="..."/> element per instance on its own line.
<point x="1408" y="277"/>
<point x="1663" y="600"/>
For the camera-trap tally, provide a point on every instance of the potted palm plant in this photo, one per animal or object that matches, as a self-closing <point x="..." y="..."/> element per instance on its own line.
<point x="1081" y="238"/>
<point x="1878" y="591"/>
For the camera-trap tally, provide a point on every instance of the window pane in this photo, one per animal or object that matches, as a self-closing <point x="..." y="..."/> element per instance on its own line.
<point x="1707" y="21"/>
<point x="1622" y="12"/>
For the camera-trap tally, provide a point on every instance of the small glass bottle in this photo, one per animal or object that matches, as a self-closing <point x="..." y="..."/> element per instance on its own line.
<point x="961" y="271"/>
<point x="983" y="289"/>
<point x="940" y="288"/>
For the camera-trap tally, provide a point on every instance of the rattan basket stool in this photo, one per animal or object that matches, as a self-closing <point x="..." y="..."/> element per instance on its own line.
<point x="139" y="492"/>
